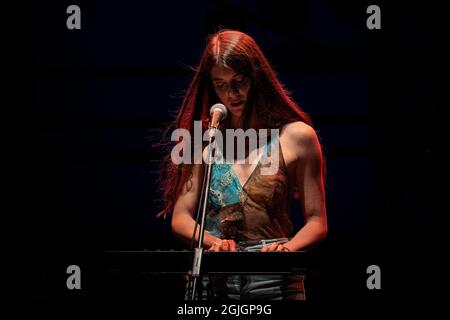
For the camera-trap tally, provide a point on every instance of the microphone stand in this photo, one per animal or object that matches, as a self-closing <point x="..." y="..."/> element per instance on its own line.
<point x="194" y="273"/>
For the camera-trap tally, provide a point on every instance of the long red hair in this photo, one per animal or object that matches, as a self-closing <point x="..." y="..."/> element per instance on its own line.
<point x="272" y="102"/>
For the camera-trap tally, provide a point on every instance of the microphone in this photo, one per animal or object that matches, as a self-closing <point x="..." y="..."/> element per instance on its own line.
<point x="218" y="112"/>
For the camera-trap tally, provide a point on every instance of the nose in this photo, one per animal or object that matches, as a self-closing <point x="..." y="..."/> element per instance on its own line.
<point x="233" y="92"/>
<point x="234" y="87"/>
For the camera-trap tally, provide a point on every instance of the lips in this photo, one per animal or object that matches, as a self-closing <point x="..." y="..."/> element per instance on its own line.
<point x="236" y="104"/>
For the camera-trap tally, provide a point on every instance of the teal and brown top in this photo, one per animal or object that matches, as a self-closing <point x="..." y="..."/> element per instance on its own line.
<point x="259" y="209"/>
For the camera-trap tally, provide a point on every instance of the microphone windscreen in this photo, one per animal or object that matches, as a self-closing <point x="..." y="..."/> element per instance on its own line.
<point x="219" y="107"/>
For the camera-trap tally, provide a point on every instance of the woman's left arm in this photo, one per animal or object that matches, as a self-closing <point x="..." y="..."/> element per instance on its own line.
<point x="309" y="176"/>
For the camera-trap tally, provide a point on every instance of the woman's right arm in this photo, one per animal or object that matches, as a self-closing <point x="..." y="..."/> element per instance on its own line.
<point x="183" y="222"/>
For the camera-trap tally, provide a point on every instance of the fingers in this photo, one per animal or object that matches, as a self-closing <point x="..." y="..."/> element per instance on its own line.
<point x="270" y="248"/>
<point x="232" y="245"/>
<point x="224" y="245"/>
<point x="215" y="247"/>
<point x="275" y="247"/>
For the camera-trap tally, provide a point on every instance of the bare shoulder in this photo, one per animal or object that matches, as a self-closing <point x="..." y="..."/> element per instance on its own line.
<point x="301" y="137"/>
<point x="300" y="133"/>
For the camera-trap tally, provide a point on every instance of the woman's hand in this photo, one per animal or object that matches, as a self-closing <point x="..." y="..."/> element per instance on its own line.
<point x="223" y="245"/>
<point x="278" y="247"/>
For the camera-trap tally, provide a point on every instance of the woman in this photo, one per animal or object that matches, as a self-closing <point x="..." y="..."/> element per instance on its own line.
<point x="245" y="204"/>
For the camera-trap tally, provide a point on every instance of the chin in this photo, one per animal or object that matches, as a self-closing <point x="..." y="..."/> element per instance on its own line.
<point x="237" y="114"/>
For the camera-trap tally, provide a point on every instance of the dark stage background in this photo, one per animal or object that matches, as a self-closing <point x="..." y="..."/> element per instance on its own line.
<point x="83" y="107"/>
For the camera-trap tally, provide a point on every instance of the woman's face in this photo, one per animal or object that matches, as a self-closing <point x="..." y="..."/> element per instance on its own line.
<point x="232" y="89"/>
